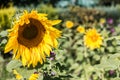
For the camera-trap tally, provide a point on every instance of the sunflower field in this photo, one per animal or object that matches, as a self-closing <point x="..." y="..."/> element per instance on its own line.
<point x="60" y="40"/>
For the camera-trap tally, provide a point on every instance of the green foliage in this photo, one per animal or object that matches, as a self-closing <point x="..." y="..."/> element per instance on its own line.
<point x="5" y="17"/>
<point x="51" y="70"/>
<point x="85" y="64"/>
<point x="4" y="74"/>
<point x="48" y="9"/>
<point x="111" y="62"/>
<point x="82" y="15"/>
<point x="3" y="40"/>
<point x="112" y="11"/>
<point x="108" y="2"/>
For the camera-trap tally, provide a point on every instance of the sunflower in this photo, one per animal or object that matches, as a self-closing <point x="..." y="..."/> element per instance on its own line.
<point x="81" y="29"/>
<point x="34" y="76"/>
<point x="32" y="38"/>
<point x="92" y="39"/>
<point x="102" y="21"/>
<point x="17" y="75"/>
<point x="69" y="24"/>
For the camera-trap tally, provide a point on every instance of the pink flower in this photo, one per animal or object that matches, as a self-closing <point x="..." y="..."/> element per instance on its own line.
<point x="110" y="21"/>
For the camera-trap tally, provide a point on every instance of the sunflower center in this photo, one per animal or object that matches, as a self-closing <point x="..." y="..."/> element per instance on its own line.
<point x="94" y="38"/>
<point x="31" y="34"/>
<point x="30" y="31"/>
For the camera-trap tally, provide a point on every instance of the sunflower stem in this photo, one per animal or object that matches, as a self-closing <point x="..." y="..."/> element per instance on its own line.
<point x="88" y="62"/>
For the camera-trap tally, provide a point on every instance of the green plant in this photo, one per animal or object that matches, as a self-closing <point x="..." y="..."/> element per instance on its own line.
<point x="6" y="17"/>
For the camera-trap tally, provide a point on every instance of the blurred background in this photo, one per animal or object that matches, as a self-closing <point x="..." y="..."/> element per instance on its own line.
<point x="85" y="10"/>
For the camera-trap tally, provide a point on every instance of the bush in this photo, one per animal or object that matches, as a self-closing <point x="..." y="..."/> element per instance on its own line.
<point x="5" y="17"/>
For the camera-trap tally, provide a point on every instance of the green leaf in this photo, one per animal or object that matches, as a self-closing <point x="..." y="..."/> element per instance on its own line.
<point x="3" y="33"/>
<point x="111" y="49"/>
<point x="96" y="57"/>
<point x="115" y="79"/>
<point x="80" y="55"/>
<point x="108" y="64"/>
<point x="104" y="58"/>
<point x="114" y="56"/>
<point x="25" y="72"/>
<point x="4" y="41"/>
<point x="13" y="64"/>
<point x="1" y="59"/>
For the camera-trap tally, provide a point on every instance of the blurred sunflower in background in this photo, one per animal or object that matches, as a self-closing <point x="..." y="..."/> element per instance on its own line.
<point x="102" y="21"/>
<point x="69" y="24"/>
<point x="32" y="38"/>
<point x="81" y="29"/>
<point x="92" y="39"/>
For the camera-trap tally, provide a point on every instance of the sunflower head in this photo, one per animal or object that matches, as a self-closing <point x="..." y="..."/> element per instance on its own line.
<point x="32" y="38"/>
<point x="81" y="29"/>
<point x="17" y="75"/>
<point x="69" y="24"/>
<point x="92" y="39"/>
<point x="34" y="76"/>
<point x="102" y="21"/>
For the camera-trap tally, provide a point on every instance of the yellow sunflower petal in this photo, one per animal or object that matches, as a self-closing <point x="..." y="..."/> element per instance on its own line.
<point x="47" y="49"/>
<point x="17" y="75"/>
<point x="34" y="76"/>
<point x="22" y="52"/>
<point x="18" y="54"/>
<point x="48" y="40"/>
<point x="42" y="54"/>
<point x="39" y="58"/>
<point x="54" y="22"/>
<point x="10" y="46"/>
